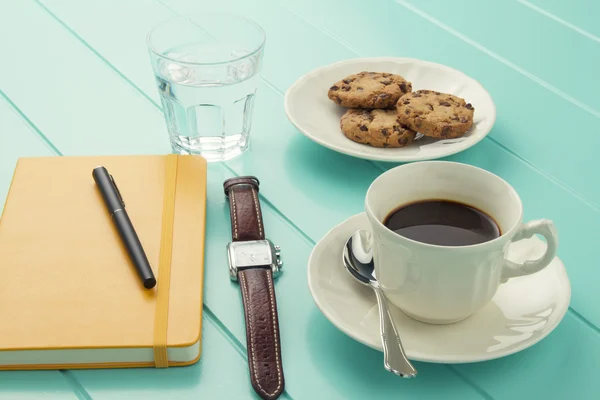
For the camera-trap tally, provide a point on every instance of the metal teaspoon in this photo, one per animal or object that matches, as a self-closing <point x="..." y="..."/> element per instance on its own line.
<point x="358" y="260"/>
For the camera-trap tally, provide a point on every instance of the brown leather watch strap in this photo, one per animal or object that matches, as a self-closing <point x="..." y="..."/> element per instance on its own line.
<point x="258" y="292"/>
<point x="246" y="217"/>
<point x="262" y="333"/>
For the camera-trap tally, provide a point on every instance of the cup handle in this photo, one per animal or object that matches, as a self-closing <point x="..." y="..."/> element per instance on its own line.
<point x="543" y="227"/>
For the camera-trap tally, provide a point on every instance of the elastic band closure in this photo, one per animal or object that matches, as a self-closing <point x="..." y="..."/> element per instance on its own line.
<point x="161" y="312"/>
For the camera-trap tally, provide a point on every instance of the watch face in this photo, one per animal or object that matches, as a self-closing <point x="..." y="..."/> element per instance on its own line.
<point x="249" y="254"/>
<point x="251" y="258"/>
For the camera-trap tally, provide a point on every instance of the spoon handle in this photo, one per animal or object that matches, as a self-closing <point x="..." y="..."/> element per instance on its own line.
<point x="394" y="357"/>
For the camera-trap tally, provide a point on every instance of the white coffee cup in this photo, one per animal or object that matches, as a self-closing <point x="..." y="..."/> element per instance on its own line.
<point x="445" y="284"/>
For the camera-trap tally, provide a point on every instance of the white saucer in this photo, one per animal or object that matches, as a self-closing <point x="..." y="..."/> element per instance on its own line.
<point x="523" y="311"/>
<point x="317" y="117"/>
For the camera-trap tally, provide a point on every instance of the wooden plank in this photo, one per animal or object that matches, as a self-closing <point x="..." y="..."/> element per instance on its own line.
<point x="547" y="370"/>
<point x="34" y="385"/>
<point x="523" y="36"/>
<point x="66" y="89"/>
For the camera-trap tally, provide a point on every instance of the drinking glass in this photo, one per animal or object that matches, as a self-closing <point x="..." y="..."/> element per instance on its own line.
<point x="207" y="68"/>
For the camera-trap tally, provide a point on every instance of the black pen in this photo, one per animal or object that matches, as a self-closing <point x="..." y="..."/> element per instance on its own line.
<point x="116" y="208"/>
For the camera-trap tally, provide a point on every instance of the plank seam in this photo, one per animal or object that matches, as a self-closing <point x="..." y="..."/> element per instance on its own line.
<point x="77" y="387"/>
<point x="498" y="57"/>
<point x="479" y="390"/>
<point x="561" y="21"/>
<point x="31" y="125"/>
<point x="100" y="56"/>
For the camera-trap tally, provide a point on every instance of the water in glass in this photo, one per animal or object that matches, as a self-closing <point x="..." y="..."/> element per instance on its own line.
<point x="208" y="109"/>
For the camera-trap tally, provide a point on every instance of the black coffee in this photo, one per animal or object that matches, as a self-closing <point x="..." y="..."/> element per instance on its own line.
<point x="443" y="223"/>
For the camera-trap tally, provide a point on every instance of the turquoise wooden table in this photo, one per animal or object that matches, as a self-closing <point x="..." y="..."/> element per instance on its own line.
<point x="75" y="80"/>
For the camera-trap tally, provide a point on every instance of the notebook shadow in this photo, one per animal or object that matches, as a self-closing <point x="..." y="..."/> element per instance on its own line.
<point x="33" y="383"/>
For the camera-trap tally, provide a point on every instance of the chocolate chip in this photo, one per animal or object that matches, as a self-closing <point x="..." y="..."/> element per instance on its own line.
<point x="386" y="145"/>
<point x="346" y="81"/>
<point x="464" y="120"/>
<point x="346" y="88"/>
<point x="386" y="75"/>
<point x="385" y="132"/>
<point x="437" y="93"/>
<point x="402" y="141"/>
<point x="403" y="87"/>
<point x="338" y="100"/>
<point x="444" y="103"/>
<point x="455" y="118"/>
<point x="406" y="102"/>
<point x="404" y="126"/>
<point x="430" y="107"/>
<point x="364" y="128"/>
<point x="334" y="88"/>
<point x="407" y="111"/>
<point x="445" y="130"/>
<point x="359" y="89"/>
<point x="469" y="106"/>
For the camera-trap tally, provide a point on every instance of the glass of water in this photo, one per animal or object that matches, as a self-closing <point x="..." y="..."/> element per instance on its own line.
<point x="207" y="68"/>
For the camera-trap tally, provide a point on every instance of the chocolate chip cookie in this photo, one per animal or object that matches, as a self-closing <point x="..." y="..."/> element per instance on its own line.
<point x="369" y="90"/>
<point x="435" y="114"/>
<point x="378" y="128"/>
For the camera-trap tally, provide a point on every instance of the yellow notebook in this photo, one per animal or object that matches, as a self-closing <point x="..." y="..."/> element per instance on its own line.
<point x="69" y="295"/>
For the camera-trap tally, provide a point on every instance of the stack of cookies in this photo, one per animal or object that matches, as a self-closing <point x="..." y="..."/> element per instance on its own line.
<point x="383" y="111"/>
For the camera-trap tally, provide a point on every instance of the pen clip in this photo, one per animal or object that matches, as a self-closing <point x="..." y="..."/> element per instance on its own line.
<point x="118" y="191"/>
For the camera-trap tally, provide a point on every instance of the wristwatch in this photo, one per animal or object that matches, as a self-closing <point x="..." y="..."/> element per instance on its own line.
<point x="253" y="262"/>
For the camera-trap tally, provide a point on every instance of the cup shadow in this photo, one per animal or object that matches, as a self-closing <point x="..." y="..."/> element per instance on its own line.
<point x="309" y="163"/>
<point x="339" y="358"/>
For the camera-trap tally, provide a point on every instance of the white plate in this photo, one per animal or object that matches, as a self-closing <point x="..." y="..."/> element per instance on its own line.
<point x="317" y="117"/>
<point x="523" y="311"/>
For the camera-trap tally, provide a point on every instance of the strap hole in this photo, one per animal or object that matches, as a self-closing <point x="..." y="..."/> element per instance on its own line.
<point x="265" y="364"/>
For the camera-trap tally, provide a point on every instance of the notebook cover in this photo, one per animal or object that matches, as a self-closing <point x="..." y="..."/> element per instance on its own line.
<point x="66" y="281"/>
